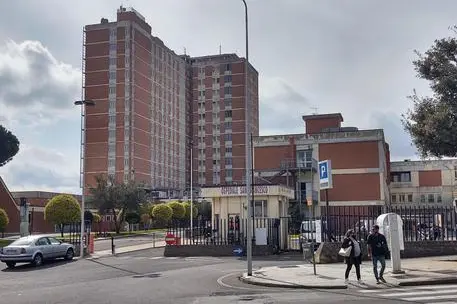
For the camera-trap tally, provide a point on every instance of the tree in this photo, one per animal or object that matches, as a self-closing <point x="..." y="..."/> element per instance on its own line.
<point x="204" y="210"/>
<point x="4" y="220"/>
<point x="187" y="208"/>
<point x="432" y="123"/>
<point x="145" y="220"/>
<point x="132" y="218"/>
<point x="61" y="210"/>
<point x="117" y="198"/>
<point x="161" y="212"/>
<point x="96" y="218"/>
<point x="178" y="210"/>
<point x="9" y="146"/>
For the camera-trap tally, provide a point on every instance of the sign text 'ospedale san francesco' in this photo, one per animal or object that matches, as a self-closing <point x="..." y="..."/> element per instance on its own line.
<point x="233" y="190"/>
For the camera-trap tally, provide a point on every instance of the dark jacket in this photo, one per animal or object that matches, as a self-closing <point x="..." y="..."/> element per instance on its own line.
<point x="352" y="259"/>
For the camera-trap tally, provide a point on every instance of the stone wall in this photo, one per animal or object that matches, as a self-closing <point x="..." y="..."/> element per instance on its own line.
<point x="213" y="250"/>
<point x="328" y="252"/>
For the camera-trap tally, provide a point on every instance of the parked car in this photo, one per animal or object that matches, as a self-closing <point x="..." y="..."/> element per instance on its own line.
<point x="35" y="249"/>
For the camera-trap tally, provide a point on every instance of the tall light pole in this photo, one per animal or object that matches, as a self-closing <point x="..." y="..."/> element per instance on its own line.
<point x="191" y="191"/>
<point x="248" y="147"/>
<point x="83" y="104"/>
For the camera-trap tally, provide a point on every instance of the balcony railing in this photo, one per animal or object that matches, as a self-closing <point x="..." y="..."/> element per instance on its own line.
<point x="293" y="164"/>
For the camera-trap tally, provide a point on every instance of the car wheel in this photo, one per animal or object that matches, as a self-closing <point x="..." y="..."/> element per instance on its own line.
<point x="69" y="255"/>
<point x="38" y="260"/>
<point x="11" y="264"/>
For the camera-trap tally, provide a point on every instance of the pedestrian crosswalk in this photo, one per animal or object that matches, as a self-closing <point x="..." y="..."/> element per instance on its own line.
<point x="430" y="294"/>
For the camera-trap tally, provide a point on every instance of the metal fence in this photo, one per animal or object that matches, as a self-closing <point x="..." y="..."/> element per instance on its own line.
<point x="226" y="232"/>
<point x="427" y="222"/>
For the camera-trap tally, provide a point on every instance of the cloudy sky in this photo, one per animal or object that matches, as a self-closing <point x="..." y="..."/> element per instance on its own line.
<point x="346" y="56"/>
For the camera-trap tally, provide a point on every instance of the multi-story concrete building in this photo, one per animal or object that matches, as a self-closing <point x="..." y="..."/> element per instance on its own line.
<point x="219" y="117"/>
<point x="423" y="182"/>
<point x="359" y="158"/>
<point x="137" y="129"/>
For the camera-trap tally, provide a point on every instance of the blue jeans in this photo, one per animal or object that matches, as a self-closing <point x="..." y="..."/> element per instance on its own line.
<point x="382" y="260"/>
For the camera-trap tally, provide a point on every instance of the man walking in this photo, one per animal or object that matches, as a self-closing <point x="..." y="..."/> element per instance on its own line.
<point x="377" y="250"/>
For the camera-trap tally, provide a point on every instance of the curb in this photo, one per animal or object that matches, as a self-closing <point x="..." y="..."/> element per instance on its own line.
<point x="289" y="285"/>
<point x="95" y="256"/>
<point x="438" y="281"/>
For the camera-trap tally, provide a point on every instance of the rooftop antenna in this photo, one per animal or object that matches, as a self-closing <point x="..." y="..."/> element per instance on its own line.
<point x="220" y="49"/>
<point x="315" y="110"/>
<point x="185" y="51"/>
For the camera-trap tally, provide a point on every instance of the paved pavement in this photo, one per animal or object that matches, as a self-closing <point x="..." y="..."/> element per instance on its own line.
<point x="419" y="271"/>
<point x="148" y="277"/>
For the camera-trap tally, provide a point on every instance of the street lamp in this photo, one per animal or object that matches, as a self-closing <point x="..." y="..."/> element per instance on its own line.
<point x="248" y="148"/>
<point x="191" y="191"/>
<point x="83" y="104"/>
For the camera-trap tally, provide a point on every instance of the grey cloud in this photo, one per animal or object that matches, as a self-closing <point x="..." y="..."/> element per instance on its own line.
<point x="399" y="141"/>
<point x="30" y="76"/>
<point x="281" y="111"/>
<point x="36" y="168"/>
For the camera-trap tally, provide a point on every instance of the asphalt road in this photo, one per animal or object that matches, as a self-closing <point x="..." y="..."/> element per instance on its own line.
<point x="126" y="241"/>
<point x="148" y="277"/>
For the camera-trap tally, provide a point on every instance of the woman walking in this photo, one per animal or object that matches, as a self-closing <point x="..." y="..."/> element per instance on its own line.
<point x="355" y="256"/>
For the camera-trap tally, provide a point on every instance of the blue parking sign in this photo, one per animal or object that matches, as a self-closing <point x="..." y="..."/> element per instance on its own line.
<point x="325" y="174"/>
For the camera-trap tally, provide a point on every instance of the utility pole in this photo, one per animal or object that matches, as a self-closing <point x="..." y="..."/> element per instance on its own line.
<point x="248" y="148"/>
<point x="191" y="192"/>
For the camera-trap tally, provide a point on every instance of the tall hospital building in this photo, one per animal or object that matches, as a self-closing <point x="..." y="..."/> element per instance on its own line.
<point x="152" y="106"/>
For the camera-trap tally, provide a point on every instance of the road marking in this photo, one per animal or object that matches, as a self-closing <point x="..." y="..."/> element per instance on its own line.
<point x="156" y="258"/>
<point x="414" y="293"/>
<point x="446" y="297"/>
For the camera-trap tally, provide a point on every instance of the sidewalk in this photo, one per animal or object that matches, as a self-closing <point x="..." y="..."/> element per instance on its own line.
<point x="127" y="249"/>
<point x="420" y="271"/>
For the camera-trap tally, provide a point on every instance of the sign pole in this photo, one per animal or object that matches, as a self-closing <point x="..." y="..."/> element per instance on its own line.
<point x="327" y="209"/>
<point x="313" y="238"/>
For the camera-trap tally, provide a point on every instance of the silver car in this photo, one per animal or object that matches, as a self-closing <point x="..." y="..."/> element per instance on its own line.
<point x="35" y="249"/>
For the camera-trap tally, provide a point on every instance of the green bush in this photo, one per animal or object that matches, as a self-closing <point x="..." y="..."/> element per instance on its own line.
<point x="179" y="211"/>
<point x="61" y="210"/>
<point x="161" y="212"/>
<point x="187" y="208"/>
<point x="4" y="220"/>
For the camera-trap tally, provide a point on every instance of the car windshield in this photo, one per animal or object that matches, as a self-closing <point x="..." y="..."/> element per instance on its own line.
<point x="21" y="242"/>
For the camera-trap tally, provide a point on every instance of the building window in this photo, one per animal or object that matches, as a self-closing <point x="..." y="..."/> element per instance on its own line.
<point x="260" y="209"/>
<point x="227" y="90"/>
<point x="112" y="75"/>
<point x="439" y="199"/>
<point x="305" y="159"/>
<point x="112" y="61"/>
<point x="410" y="198"/>
<point x="112" y="90"/>
<point x="394" y="198"/>
<point x="228" y="102"/>
<point x="228" y="150"/>
<point x="228" y="78"/>
<point x="228" y="137"/>
<point x="422" y="198"/>
<point x="228" y="125"/>
<point x="400" y="177"/>
<point x="228" y="173"/>
<point x="228" y="161"/>
<point x="228" y="67"/>
<point x="401" y="198"/>
<point x="431" y="198"/>
<point x="228" y="114"/>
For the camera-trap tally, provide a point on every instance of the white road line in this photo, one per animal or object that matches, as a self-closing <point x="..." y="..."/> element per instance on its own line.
<point x="425" y="292"/>
<point x="156" y="258"/>
<point x="441" y="303"/>
<point x="378" y="290"/>
<point x="445" y="297"/>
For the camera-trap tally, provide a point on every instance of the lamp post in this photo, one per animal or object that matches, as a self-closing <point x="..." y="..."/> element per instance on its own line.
<point x="191" y="191"/>
<point x="83" y="104"/>
<point x="248" y="148"/>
